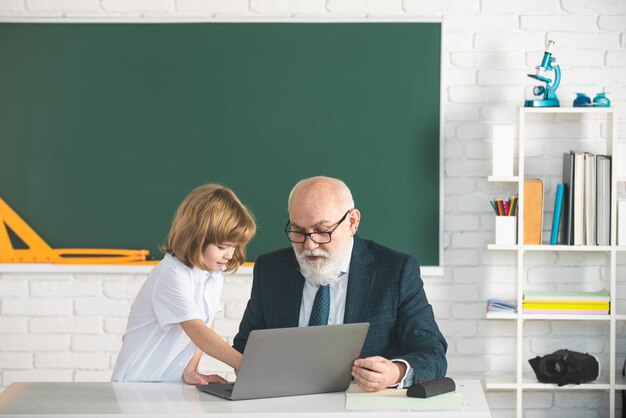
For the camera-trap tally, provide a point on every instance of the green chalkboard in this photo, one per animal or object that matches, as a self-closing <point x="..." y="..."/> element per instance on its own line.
<point x="104" y="128"/>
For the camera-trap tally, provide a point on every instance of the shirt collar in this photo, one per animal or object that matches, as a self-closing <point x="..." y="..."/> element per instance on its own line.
<point x="346" y="269"/>
<point x="200" y="275"/>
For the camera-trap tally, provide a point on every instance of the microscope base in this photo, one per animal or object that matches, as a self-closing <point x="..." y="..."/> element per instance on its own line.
<point x="542" y="103"/>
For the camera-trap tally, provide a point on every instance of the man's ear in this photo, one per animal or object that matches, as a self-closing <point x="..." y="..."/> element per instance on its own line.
<point x="354" y="218"/>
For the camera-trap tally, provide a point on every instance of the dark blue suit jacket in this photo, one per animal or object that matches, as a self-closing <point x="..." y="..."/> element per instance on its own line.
<point x="384" y="289"/>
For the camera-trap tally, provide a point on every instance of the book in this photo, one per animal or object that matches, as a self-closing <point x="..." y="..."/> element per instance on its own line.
<point x="556" y="217"/>
<point x="550" y="296"/>
<point x="566" y="312"/>
<point x="590" y="199"/>
<point x="503" y="139"/>
<point x="567" y="305"/>
<point x="393" y="399"/>
<point x="621" y="221"/>
<point x="533" y="211"/>
<point x="578" y="191"/>
<point x="567" y="234"/>
<point x="584" y="307"/>
<point x="499" y="305"/>
<point x="603" y="200"/>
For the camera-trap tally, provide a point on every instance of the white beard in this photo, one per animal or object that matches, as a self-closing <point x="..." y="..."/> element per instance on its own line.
<point x="326" y="270"/>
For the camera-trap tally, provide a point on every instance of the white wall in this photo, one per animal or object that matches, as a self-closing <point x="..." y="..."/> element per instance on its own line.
<point x="66" y="326"/>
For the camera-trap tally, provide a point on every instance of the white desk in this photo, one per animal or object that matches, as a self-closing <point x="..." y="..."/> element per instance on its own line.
<point x="139" y="400"/>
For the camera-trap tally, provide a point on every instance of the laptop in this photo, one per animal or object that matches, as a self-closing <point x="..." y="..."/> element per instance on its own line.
<point x="295" y="361"/>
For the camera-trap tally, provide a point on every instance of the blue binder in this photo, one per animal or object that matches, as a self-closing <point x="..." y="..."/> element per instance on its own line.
<point x="558" y="208"/>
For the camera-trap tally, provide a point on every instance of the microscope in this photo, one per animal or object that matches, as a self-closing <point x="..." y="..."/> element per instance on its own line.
<point x="548" y="63"/>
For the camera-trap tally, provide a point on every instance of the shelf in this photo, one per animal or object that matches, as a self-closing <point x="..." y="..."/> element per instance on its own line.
<point x="586" y="248"/>
<point x="551" y="317"/>
<point x="75" y="268"/>
<point x="91" y="268"/>
<point x="547" y="247"/>
<point x="504" y="382"/>
<point x="564" y="317"/>
<point x="554" y="386"/>
<point x="520" y="279"/>
<point x="501" y="315"/>
<point x="509" y="179"/>
<point x="502" y="247"/>
<point x="568" y="110"/>
<point x="529" y="382"/>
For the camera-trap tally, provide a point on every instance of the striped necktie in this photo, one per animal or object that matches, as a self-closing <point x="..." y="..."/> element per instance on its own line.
<point x="321" y="306"/>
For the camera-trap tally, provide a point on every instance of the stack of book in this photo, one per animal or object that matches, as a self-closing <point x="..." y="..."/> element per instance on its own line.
<point x="578" y="303"/>
<point x="498" y="305"/>
<point x="583" y="204"/>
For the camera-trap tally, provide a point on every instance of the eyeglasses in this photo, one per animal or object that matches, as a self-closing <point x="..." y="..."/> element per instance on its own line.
<point x="317" y="237"/>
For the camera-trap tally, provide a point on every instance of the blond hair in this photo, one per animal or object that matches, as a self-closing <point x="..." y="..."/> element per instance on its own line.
<point x="210" y="214"/>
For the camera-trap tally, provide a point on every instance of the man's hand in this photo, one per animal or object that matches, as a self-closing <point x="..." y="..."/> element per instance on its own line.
<point x="195" y="378"/>
<point x="377" y="373"/>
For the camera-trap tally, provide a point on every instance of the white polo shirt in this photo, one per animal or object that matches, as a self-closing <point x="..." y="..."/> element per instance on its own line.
<point x="155" y="348"/>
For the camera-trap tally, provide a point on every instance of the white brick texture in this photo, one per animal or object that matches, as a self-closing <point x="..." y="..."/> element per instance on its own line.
<point x="68" y="327"/>
<point x="558" y="22"/>
<point x="364" y="7"/>
<point x="438" y="7"/>
<point x="288" y="6"/>
<point x="151" y="6"/>
<point x="65" y="325"/>
<point x="63" y="6"/>
<point x="527" y="6"/>
<point x="37" y="306"/>
<point x="12" y="6"/>
<point x="212" y="6"/>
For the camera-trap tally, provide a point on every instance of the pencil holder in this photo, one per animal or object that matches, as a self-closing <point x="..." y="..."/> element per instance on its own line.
<point x="506" y="230"/>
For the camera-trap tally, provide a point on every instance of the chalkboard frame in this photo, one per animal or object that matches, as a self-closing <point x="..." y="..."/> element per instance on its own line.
<point x="441" y="103"/>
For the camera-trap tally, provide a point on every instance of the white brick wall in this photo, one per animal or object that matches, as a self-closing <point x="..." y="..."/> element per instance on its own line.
<point x="66" y="327"/>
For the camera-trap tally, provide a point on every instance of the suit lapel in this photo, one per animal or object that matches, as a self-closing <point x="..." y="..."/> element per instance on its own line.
<point x="292" y="297"/>
<point x="361" y="277"/>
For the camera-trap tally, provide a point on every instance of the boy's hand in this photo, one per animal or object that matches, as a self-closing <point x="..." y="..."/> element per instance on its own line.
<point x="195" y="378"/>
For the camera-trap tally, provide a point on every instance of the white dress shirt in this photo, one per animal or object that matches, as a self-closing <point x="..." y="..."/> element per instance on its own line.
<point x="338" y="292"/>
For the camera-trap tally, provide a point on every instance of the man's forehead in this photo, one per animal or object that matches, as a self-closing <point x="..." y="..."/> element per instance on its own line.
<point x="309" y="217"/>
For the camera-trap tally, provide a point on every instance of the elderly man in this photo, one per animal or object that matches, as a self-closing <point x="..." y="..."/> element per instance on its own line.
<point x="331" y="276"/>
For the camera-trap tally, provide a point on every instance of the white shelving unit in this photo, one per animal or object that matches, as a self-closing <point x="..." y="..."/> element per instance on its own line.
<point x="611" y="379"/>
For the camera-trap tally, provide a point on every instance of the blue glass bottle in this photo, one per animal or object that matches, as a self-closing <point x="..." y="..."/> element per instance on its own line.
<point x="601" y="100"/>
<point x="582" y="100"/>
